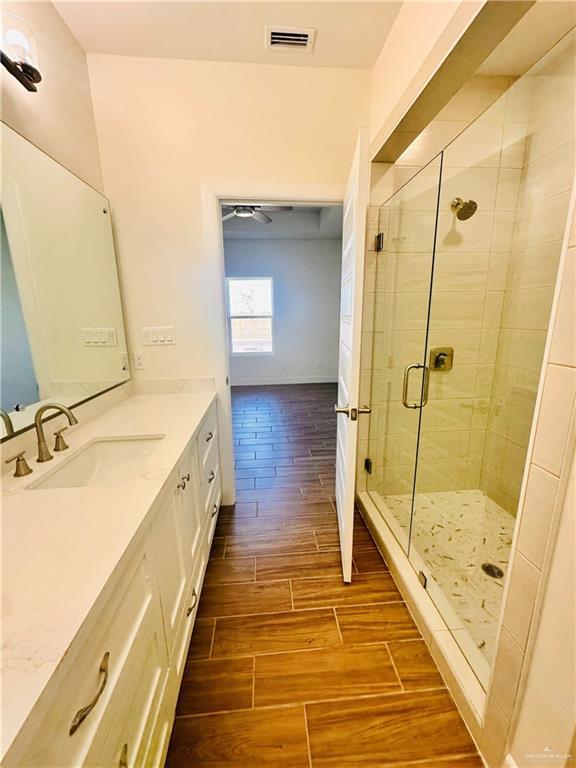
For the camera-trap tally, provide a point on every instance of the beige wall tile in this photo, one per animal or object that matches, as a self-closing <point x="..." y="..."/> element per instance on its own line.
<point x="513" y="145"/>
<point x="527" y="308"/>
<point x="537" y="514"/>
<point x="521" y="598"/>
<point x="534" y="267"/>
<point x="507" y="189"/>
<point x="554" y="418"/>
<point x="507" y="673"/>
<point x="563" y="349"/>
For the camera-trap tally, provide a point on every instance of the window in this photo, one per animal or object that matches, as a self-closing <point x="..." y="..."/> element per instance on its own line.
<point x="250" y="315"/>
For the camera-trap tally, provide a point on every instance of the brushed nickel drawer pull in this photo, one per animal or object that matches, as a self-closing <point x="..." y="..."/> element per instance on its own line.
<point x="211" y="476"/>
<point x="209" y="436"/>
<point x="186" y="477"/>
<point x="182" y="484"/>
<point x="215" y="510"/>
<point x="195" y="596"/>
<point x="83" y="713"/>
<point x="123" y="762"/>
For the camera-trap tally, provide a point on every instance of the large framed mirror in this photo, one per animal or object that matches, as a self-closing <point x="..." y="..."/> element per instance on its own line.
<point x="62" y="330"/>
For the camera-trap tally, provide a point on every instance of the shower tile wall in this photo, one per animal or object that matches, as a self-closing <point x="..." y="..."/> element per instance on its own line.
<point x="540" y="107"/>
<point x="493" y="285"/>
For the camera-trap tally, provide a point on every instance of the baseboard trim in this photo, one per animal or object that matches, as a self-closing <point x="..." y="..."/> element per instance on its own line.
<point x="283" y="380"/>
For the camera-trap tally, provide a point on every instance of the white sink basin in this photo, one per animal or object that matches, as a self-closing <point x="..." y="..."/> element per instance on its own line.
<point x="103" y="461"/>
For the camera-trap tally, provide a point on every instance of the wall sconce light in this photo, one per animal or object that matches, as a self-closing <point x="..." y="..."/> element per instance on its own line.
<point x="19" y="52"/>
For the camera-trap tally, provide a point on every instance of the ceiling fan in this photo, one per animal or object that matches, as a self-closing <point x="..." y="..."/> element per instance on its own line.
<point x="257" y="212"/>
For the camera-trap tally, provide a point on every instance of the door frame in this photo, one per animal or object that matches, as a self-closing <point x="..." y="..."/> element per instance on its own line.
<point x="214" y="193"/>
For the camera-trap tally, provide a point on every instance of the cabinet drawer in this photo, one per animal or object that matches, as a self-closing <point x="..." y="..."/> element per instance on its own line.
<point x="133" y="718"/>
<point x="97" y="676"/>
<point x="209" y="476"/>
<point x="207" y="435"/>
<point x="184" y="631"/>
<point x="213" y="507"/>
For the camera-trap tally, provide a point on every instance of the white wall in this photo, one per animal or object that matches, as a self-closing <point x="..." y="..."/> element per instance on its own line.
<point x="58" y="118"/>
<point x="306" y="276"/>
<point x="238" y="130"/>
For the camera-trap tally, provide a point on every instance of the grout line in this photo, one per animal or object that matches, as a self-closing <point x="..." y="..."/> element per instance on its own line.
<point x="338" y="625"/>
<point x="307" y="735"/>
<point x="394" y="666"/>
<point x="253" y="681"/>
<point x="302" y="609"/>
<point x="331" y="700"/>
<point x="212" y="639"/>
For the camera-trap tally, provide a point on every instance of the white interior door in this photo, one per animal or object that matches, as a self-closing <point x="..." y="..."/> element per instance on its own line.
<point x="353" y="243"/>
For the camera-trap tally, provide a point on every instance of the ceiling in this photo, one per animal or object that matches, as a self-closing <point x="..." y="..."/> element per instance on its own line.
<point x="349" y="34"/>
<point x="303" y="223"/>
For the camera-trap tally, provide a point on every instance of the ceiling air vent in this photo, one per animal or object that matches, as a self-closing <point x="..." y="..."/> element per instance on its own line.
<point x="290" y="39"/>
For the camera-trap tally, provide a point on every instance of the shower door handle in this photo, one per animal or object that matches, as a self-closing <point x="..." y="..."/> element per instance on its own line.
<point x="425" y="385"/>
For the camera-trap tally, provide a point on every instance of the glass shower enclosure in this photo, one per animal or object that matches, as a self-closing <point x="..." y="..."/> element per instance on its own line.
<point x="463" y="292"/>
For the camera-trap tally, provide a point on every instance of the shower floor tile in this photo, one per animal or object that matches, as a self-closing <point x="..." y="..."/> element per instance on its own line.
<point x="454" y="533"/>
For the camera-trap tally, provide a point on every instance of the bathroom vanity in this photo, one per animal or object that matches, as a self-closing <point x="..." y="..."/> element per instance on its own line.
<point x="105" y="549"/>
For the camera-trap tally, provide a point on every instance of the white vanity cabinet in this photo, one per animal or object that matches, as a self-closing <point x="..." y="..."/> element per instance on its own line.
<point x="111" y="701"/>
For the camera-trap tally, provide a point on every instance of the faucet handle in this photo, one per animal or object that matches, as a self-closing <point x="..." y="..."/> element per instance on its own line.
<point x="22" y="466"/>
<point x="60" y="444"/>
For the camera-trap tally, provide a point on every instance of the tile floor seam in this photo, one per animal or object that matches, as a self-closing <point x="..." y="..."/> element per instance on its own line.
<point x="395" y="667"/>
<point x="312" y="702"/>
<point x="299" y="610"/>
<point x="307" y="735"/>
<point x="338" y="625"/>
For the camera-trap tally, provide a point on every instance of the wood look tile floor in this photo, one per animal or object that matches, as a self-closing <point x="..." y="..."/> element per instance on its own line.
<point x="288" y="667"/>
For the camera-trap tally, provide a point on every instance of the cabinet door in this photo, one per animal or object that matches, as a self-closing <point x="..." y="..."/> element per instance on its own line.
<point x="171" y="545"/>
<point x="190" y="510"/>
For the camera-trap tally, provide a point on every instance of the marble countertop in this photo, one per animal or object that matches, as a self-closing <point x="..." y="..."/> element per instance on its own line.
<point x="61" y="545"/>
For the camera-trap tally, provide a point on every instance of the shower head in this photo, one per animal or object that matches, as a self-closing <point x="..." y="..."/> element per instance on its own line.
<point x="464" y="209"/>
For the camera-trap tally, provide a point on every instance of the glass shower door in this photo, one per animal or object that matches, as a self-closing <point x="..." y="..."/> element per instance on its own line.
<point x="402" y="285"/>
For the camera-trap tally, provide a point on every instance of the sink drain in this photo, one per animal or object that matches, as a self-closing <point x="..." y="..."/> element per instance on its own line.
<point x="492" y="570"/>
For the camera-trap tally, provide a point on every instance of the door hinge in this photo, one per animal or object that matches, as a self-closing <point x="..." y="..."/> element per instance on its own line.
<point x="379" y="242"/>
<point x="368" y="465"/>
<point x="422" y="579"/>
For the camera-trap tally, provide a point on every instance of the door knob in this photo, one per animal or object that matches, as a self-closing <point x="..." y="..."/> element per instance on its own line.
<point x="352" y="413"/>
<point x="344" y="410"/>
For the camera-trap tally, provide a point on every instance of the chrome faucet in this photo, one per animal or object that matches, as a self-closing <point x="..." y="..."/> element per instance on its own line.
<point x="43" y="452"/>
<point x="7" y="423"/>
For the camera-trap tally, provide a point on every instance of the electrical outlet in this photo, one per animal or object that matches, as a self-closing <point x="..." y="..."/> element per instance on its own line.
<point x="124" y="361"/>
<point x="138" y="358"/>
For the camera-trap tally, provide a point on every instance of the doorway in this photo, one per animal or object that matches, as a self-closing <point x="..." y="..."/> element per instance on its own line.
<point x="282" y="271"/>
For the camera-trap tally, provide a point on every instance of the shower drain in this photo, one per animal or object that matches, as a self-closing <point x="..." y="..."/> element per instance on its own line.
<point x="492" y="570"/>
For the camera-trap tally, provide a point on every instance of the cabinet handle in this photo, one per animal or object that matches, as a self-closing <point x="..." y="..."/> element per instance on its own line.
<point x="209" y="436"/>
<point x="186" y="477"/>
<point x="123" y="762"/>
<point x="83" y="713"/>
<point x="215" y="510"/>
<point x="182" y="484"/>
<point x="211" y="476"/>
<point x="195" y="596"/>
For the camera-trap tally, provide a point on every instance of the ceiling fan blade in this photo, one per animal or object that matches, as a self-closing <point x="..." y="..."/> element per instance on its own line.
<point x="273" y="208"/>
<point x="228" y="216"/>
<point x="261" y="217"/>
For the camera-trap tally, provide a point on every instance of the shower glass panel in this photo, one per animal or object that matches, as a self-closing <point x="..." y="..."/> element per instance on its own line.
<point x="465" y="288"/>
<point x="402" y="295"/>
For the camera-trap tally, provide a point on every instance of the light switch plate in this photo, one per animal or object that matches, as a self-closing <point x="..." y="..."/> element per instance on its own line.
<point x="158" y="335"/>
<point x="99" y="337"/>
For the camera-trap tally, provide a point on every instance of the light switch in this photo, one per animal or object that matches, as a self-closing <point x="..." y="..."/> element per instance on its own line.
<point x="158" y="335"/>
